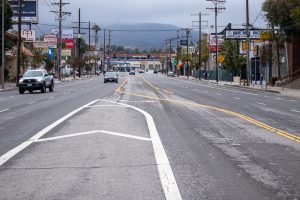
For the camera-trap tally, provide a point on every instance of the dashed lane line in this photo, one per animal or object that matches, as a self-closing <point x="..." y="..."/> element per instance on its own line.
<point x="259" y="103"/>
<point x="237" y="98"/>
<point x="297" y="111"/>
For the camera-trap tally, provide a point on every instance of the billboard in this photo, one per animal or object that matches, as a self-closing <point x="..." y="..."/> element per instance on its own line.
<point x="29" y="11"/>
<point x="28" y="35"/>
<point x="65" y="33"/>
<point x="66" y="52"/>
<point x="212" y="39"/>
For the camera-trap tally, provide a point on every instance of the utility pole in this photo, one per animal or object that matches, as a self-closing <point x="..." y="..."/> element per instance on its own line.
<point x="79" y="34"/>
<point x="199" y="42"/>
<point x="19" y="41"/>
<point x="248" y="44"/>
<point x="217" y="9"/>
<point x="109" y="40"/>
<point x="60" y="15"/>
<point x="3" y="48"/>
<point x="187" y="33"/>
<point x="89" y="35"/>
<point x="104" y="50"/>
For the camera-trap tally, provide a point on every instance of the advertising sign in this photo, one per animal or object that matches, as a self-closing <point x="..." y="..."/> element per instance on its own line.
<point x="51" y="40"/>
<point x="183" y="42"/>
<point x="212" y="39"/>
<point x="242" y="34"/>
<point x="66" y="52"/>
<point x="29" y="35"/>
<point x="65" y="33"/>
<point x="29" y="11"/>
<point x="51" y="53"/>
<point x="40" y="45"/>
<point x="68" y="43"/>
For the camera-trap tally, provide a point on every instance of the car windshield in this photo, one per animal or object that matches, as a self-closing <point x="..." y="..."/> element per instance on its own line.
<point x="110" y="74"/>
<point x="33" y="74"/>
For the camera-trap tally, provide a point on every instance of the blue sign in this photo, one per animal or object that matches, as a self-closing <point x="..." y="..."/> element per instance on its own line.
<point x="51" y="53"/>
<point x="29" y="11"/>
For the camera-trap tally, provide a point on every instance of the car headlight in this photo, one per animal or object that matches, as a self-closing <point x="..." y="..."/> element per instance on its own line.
<point x="39" y="80"/>
<point x="21" y="80"/>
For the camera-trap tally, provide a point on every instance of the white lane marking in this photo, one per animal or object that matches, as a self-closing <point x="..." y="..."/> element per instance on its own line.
<point x="261" y="103"/>
<point x="236" y="98"/>
<point x="92" y="132"/>
<point x="4" y="110"/>
<point x="65" y="93"/>
<point x="33" y="102"/>
<point x="211" y="86"/>
<point x="106" y="106"/>
<point x="51" y="97"/>
<point x="292" y="100"/>
<point x="166" y="175"/>
<point x="278" y="98"/>
<point x="4" y="158"/>
<point x="297" y="111"/>
<point x="74" y="83"/>
<point x="219" y="94"/>
<point x="138" y="101"/>
<point x="11" y="96"/>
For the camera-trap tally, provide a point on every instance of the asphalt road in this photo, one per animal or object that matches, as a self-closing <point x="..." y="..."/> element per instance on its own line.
<point x="149" y="137"/>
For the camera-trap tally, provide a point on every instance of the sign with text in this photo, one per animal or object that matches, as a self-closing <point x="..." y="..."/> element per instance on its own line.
<point x="40" y="45"/>
<point x="66" y="52"/>
<point x="29" y="35"/>
<point x="51" y="40"/>
<point x="65" y="33"/>
<point x="212" y="39"/>
<point x="183" y="42"/>
<point x="242" y="34"/>
<point x="68" y="43"/>
<point x="29" y="11"/>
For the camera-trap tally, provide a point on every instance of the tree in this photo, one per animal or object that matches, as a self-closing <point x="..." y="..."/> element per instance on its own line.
<point x="233" y="60"/>
<point x="284" y="14"/>
<point x="9" y="42"/>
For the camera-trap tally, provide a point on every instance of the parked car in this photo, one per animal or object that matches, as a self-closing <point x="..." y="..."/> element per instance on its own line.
<point x="111" y="77"/>
<point x="36" y="80"/>
<point x="132" y="73"/>
<point x="155" y="72"/>
<point x="170" y="74"/>
<point x="141" y="71"/>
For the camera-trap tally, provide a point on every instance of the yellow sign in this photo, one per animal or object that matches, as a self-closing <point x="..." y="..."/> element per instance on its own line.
<point x="266" y="36"/>
<point x="221" y="58"/>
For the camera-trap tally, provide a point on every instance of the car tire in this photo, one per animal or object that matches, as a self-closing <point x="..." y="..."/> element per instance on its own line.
<point x="21" y="90"/>
<point x="51" y="87"/>
<point x="43" y="89"/>
<point x="30" y="91"/>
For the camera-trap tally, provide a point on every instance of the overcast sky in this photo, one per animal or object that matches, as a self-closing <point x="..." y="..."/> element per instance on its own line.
<point x="175" y="12"/>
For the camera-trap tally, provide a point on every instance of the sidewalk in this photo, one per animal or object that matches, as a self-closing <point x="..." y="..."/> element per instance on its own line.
<point x="285" y="91"/>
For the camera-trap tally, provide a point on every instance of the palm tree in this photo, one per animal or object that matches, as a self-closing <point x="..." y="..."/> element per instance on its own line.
<point x="96" y="28"/>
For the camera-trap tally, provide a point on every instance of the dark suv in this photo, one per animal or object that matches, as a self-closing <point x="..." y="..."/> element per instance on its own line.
<point x="111" y="77"/>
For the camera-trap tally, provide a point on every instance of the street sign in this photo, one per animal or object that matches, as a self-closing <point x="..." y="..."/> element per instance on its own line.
<point x="221" y="58"/>
<point x="66" y="52"/>
<point x="29" y="35"/>
<point x="265" y="35"/>
<point x="183" y="42"/>
<point x="29" y="11"/>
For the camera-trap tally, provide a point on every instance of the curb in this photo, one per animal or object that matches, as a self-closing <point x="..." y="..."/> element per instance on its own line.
<point x="254" y="89"/>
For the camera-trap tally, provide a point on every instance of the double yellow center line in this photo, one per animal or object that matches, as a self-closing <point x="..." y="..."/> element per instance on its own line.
<point x="241" y="116"/>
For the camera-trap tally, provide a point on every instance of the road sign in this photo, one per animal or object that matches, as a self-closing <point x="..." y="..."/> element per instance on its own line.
<point x="29" y="11"/>
<point x="51" y="40"/>
<point x="29" y="35"/>
<point x="221" y="58"/>
<point x="183" y="42"/>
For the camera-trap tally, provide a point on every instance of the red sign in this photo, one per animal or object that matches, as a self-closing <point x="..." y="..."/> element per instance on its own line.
<point x="68" y="43"/>
<point x="212" y="48"/>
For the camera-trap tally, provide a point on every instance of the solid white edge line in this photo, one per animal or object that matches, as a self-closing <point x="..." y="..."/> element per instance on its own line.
<point x="4" y="158"/>
<point x="166" y="175"/>
<point x="93" y="132"/>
